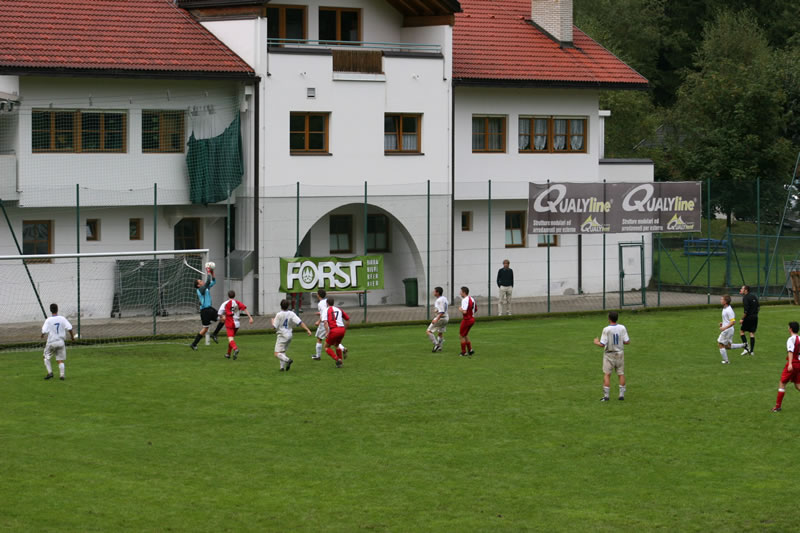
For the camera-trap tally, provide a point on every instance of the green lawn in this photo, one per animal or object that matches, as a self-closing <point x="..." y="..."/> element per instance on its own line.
<point x="159" y="438"/>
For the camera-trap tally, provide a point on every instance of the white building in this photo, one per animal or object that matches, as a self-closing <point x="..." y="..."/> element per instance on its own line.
<point x="379" y="97"/>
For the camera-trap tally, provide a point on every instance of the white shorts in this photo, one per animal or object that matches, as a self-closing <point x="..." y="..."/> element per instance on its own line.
<point x="57" y="350"/>
<point x="440" y="326"/>
<point x="725" y="337"/>
<point x="282" y="344"/>
<point x="322" y="331"/>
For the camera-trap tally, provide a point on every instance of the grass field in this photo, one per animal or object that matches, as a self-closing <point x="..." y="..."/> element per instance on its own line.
<point x="159" y="438"/>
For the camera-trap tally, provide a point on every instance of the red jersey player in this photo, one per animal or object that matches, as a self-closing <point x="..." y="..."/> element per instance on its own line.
<point x="791" y="372"/>
<point x="229" y="311"/>
<point x="336" y="322"/>
<point x="468" y="310"/>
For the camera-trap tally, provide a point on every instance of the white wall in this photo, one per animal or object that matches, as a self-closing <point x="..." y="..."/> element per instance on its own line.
<point x="513" y="165"/>
<point x="48" y="179"/>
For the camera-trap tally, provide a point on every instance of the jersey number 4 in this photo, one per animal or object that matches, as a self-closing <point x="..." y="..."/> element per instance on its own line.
<point x="286" y="323"/>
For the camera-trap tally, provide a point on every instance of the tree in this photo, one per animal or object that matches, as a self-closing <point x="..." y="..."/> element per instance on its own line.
<point x="728" y="120"/>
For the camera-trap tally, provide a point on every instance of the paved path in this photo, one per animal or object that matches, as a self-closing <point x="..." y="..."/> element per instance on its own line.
<point x="187" y="325"/>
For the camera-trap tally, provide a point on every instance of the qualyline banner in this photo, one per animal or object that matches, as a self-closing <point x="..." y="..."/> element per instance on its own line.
<point x="362" y="273"/>
<point x="662" y="207"/>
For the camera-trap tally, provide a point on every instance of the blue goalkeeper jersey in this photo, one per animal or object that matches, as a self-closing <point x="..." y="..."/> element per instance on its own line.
<point x="204" y="292"/>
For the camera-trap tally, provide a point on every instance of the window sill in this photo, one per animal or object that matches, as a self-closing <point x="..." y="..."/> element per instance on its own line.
<point x="358" y="76"/>
<point x="488" y="152"/>
<point x="311" y="153"/>
<point x="528" y="152"/>
<point x="404" y="153"/>
<point x="515" y="246"/>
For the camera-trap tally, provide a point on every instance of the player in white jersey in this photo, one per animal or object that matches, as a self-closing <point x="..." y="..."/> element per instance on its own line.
<point x="322" y="330"/>
<point x="613" y="341"/>
<point x="56" y="328"/>
<point x="726" y="328"/>
<point x="284" y="322"/>
<point x="438" y="325"/>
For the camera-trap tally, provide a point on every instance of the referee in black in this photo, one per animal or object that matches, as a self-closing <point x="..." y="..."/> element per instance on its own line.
<point x="749" y="320"/>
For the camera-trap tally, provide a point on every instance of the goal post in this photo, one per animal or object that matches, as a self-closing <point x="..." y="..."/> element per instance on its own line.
<point x="107" y="296"/>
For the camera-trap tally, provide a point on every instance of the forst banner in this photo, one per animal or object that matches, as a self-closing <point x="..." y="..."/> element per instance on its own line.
<point x="362" y="273"/>
<point x="662" y="207"/>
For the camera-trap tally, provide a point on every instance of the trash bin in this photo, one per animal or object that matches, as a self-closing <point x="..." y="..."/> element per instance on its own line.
<point x="412" y="295"/>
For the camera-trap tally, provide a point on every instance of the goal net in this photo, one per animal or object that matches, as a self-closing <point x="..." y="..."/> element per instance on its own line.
<point x="108" y="297"/>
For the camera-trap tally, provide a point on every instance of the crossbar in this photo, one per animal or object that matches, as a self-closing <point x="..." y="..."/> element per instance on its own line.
<point x="40" y="257"/>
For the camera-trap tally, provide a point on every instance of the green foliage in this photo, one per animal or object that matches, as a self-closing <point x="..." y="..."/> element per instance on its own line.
<point x="729" y="118"/>
<point x="158" y="438"/>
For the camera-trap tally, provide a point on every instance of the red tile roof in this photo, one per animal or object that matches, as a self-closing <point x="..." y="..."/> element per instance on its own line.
<point x="148" y="36"/>
<point x="494" y="40"/>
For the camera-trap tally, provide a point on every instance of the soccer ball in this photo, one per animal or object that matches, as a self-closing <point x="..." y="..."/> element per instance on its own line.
<point x="211" y="265"/>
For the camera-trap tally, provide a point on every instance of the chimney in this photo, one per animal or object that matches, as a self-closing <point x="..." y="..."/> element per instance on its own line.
<point x="554" y="17"/>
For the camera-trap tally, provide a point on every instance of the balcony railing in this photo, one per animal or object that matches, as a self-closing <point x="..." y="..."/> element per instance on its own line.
<point x="361" y="45"/>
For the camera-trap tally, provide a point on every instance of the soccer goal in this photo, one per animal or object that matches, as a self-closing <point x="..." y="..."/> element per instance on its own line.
<point x="108" y="296"/>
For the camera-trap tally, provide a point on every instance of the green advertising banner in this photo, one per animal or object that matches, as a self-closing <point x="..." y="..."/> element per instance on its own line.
<point x="361" y="273"/>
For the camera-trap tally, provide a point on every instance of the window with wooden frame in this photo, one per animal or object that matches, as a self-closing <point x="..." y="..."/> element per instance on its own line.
<point x="37" y="239"/>
<point x="78" y="131"/>
<point x="308" y="133"/>
<point x="488" y="134"/>
<point x="377" y="233"/>
<point x="466" y="220"/>
<point x="163" y="131"/>
<point x="92" y="229"/>
<point x="401" y="133"/>
<point x="187" y="234"/>
<point x="341" y="234"/>
<point x="135" y="227"/>
<point x="552" y="135"/>
<point x="543" y="240"/>
<point x="339" y="24"/>
<point x="515" y="229"/>
<point x="286" y="22"/>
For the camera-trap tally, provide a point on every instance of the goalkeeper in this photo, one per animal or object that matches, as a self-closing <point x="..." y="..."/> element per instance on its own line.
<point x="208" y="313"/>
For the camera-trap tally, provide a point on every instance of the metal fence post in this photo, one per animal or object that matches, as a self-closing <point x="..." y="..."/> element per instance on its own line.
<point x="78" y="248"/>
<point x="365" y="243"/>
<point x="708" y="242"/>
<point x="155" y="247"/>
<point x="428" y="268"/>
<point x="660" y="269"/>
<point x="489" y="254"/>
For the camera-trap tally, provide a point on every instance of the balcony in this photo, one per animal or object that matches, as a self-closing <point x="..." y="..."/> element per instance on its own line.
<point x="277" y="45"/>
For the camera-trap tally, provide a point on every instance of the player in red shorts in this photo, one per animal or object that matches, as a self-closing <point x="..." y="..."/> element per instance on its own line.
<point x="468" y="310"/>
<point x="229" y="311"/>
<point x="791" y="372"/>
<point x="337" y="321"/>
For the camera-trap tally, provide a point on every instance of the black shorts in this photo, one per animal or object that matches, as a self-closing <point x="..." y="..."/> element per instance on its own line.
<point x="750" y="323"/>
<point x="208" y="315"/>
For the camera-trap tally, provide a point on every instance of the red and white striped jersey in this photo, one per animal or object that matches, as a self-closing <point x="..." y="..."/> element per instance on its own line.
<point x="468" y="304"/>
<point x="336" y="317"/>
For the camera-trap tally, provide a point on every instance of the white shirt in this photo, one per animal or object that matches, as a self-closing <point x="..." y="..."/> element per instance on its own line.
<point x="614" y="338"/>
<point x="284" y="322"/>
<point x="322" y="307"/>
<point x="441" y="306"/>
<point x="56" y="328"/>
<point x="728" y="316"/>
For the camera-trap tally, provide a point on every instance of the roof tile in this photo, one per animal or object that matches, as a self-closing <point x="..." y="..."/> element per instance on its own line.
<point x="139" y="35"/>
<point x="495" y="40"/>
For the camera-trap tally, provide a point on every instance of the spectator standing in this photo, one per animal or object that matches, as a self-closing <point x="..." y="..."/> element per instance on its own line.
<point x="505" y="283"/>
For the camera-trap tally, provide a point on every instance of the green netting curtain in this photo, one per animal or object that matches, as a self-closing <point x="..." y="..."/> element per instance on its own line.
<point x="215" y="165"/>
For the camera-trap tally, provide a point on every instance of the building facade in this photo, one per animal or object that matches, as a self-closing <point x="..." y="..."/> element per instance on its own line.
<point x="371" y="126"/>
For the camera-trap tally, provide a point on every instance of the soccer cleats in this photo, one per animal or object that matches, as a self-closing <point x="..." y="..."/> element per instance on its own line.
<point x="471" y="352"/>
<point x="621" y="398"/>
<point x="49" y="376"/>
<point x="289" y="364"/>
<point x="235" y="353"/>
<point x="316" y="358"/>
<point x="214" y="338"/>
<point x="339" y="364"/>
<point x="725" y="362"/>
<point x="344" y="353"/>
<point x="776" y="409"/>
<point x="193" y="347"/>
<point x="604" y="399"/>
